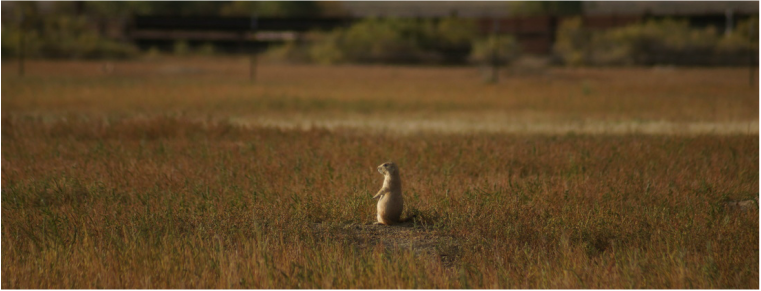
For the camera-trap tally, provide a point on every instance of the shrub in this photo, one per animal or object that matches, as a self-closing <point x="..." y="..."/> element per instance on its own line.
<point x="326" y="51"/>
<point x="290" y="51"/>
<point x="63" y="36"/>
<point x="11" y="38"/>
<point x="206" y="49"/>
<point x="392" y="40"/>
<point x="571" y="42"/>
<point x="502" y="49"/>
<point x="651" y="42"/>
<point x="181" y="48"/>
<point x="383" y="40"/>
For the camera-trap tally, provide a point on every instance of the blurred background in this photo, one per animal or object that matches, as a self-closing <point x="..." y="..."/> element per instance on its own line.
<point x="520" y="66"/>
<point x="568" y="33"/>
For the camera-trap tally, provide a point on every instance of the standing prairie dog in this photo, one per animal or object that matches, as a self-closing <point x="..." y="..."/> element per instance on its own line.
<point x="391" y="203"/>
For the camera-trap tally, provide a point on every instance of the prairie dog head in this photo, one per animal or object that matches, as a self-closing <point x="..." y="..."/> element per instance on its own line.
<point x="388" y="168"/>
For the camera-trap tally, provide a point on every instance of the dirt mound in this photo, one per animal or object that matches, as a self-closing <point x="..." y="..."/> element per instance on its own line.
<point x="419" y="239"/>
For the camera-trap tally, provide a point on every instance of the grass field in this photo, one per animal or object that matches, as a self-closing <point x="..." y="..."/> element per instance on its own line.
<point x="180" y="173"/>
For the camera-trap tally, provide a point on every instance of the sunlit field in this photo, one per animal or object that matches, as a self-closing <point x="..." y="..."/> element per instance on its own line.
<point x="388" y="98"/>
<point x="184" y="173"/>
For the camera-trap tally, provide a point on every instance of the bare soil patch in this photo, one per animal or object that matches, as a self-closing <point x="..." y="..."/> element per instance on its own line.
<point x="419" y="239"/>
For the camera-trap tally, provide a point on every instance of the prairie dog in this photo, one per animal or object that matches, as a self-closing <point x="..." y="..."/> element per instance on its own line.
<point x="391" y="203"/>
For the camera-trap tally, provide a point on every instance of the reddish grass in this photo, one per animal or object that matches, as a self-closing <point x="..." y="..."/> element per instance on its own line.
<point x="220" y="88"/>
<point x="140" y="179"/>
<point x="169" y="203"/>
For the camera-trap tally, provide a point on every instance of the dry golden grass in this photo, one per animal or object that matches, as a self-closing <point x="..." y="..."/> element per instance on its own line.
<point x="142" y="179"/>
<point x="220" y="88"/>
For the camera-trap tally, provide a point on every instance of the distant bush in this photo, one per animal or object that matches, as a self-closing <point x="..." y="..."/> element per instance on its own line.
<point x="291" y="52"/>
<point x="11" y="39"/>
<point x="502" y="49"/>
<point x="62" y="36"/>
<point x="383" y="40"/>
<point x="391" y="40"/>
<point x="327" y="50"/>
<point x="181" y="48"/>
<point x="206" y="49"/>
<point x="571" y="42"/>
<point x="651" y="42"/>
